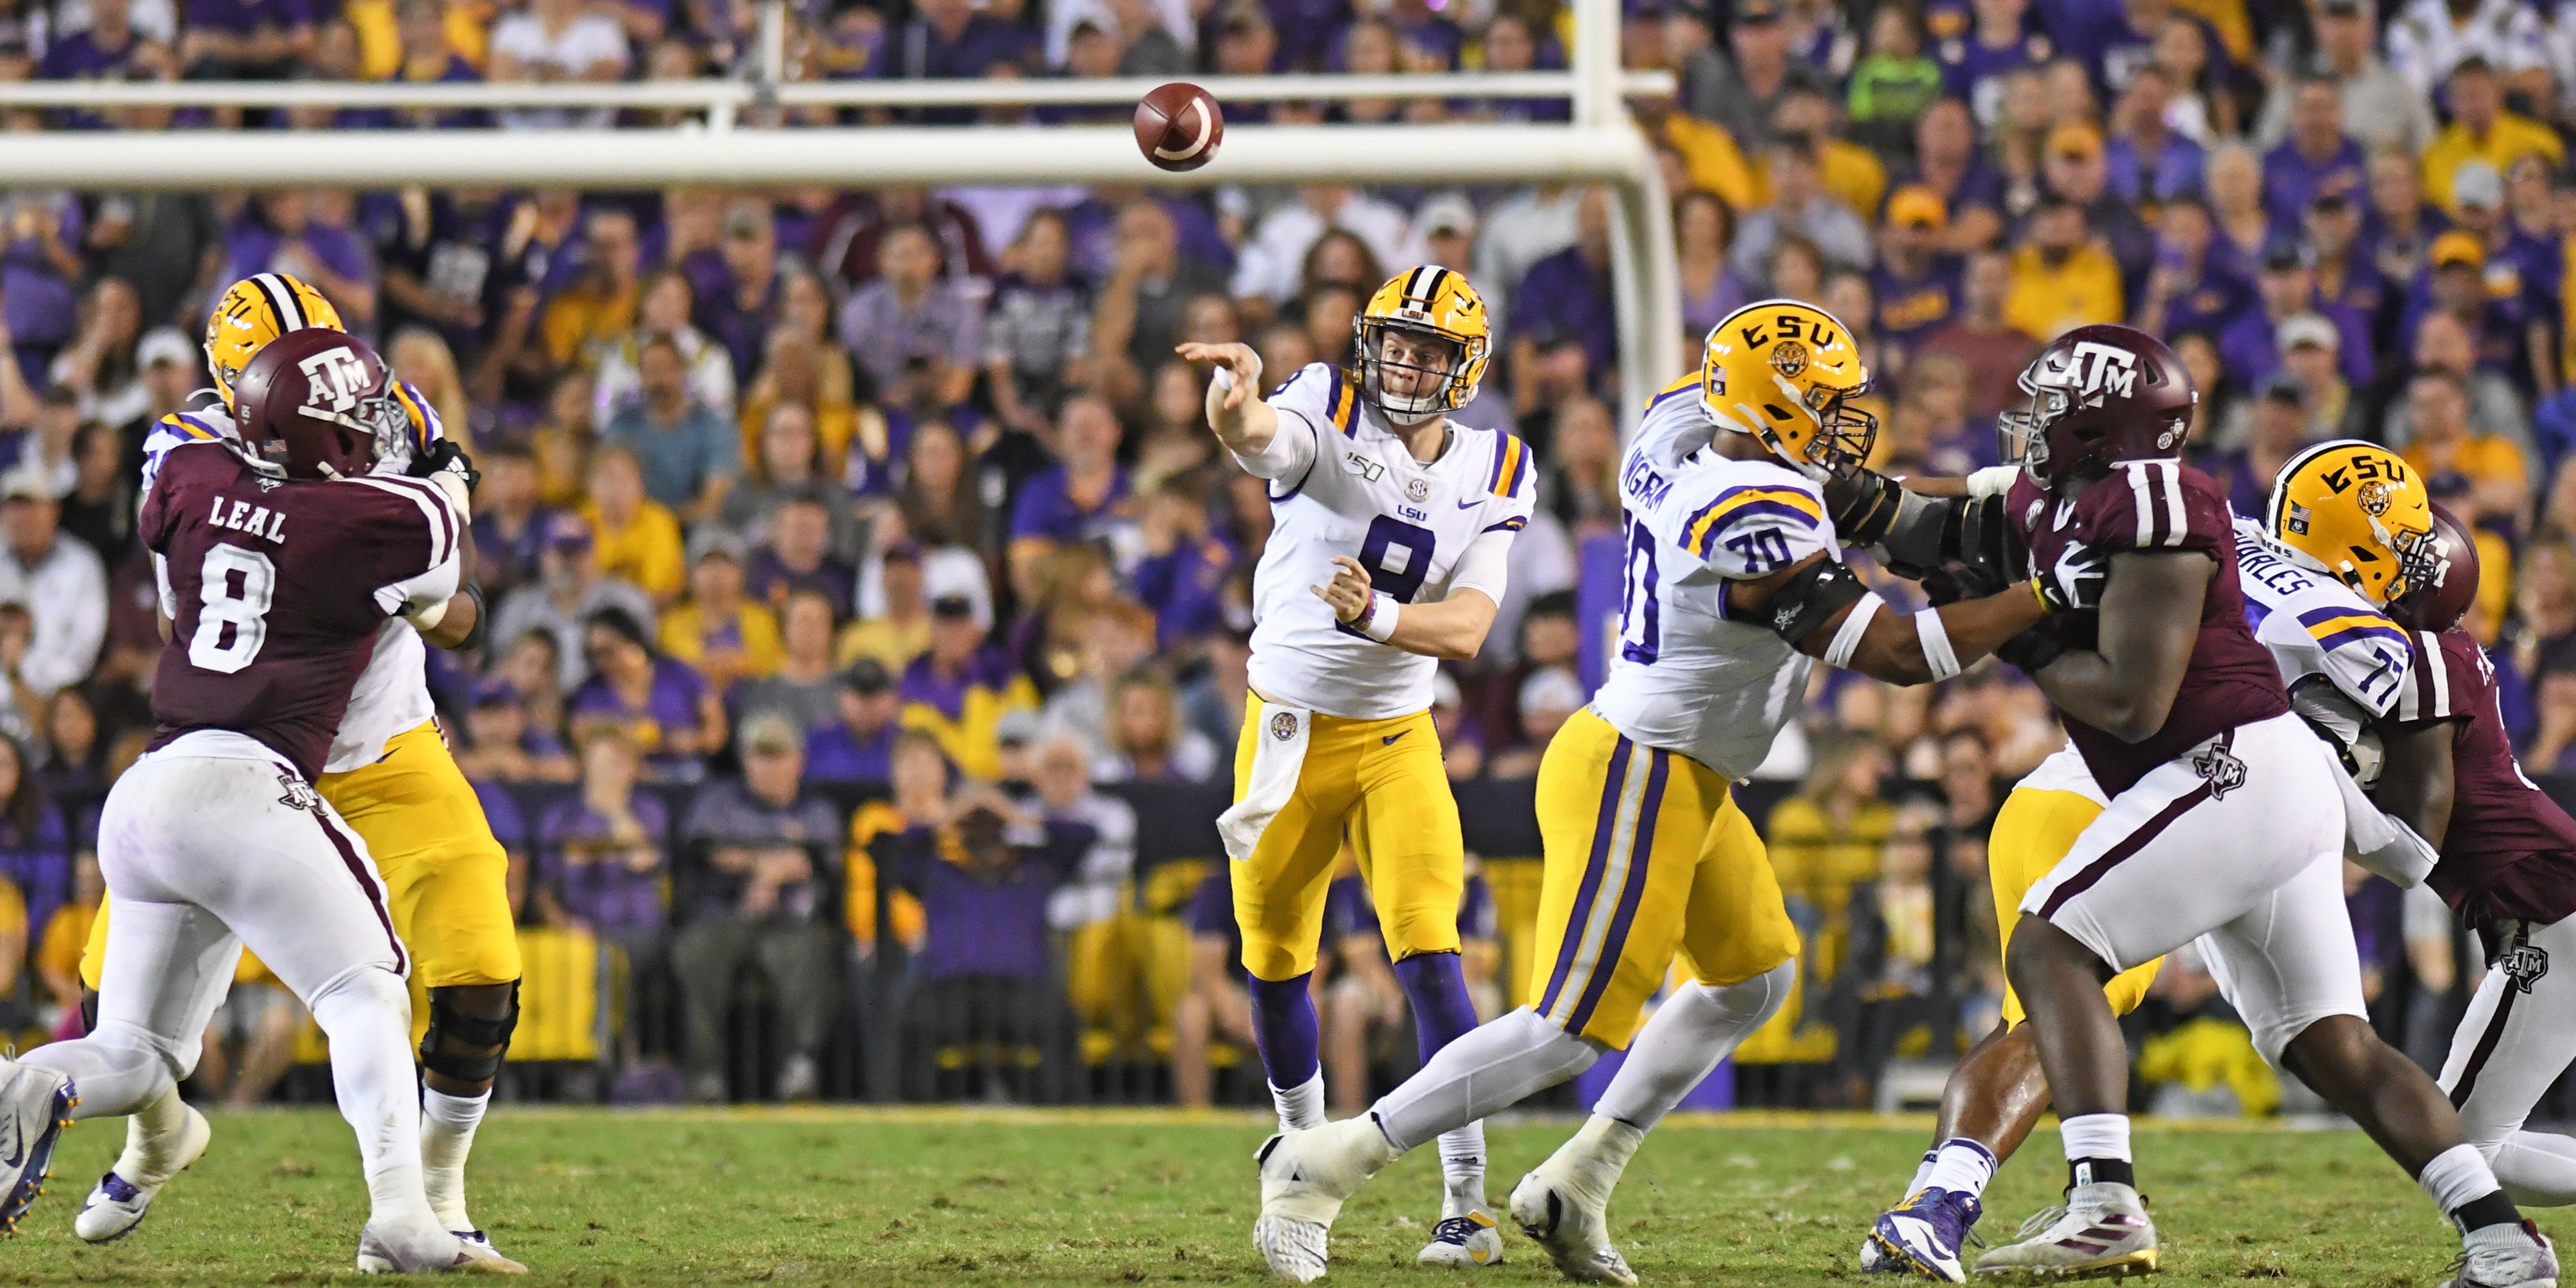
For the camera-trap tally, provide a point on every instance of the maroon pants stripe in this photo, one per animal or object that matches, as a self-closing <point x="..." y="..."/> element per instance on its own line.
<point x="367" y="884"/>
<point x="2487" y="1040"/>
<point x="2119" y="853"/>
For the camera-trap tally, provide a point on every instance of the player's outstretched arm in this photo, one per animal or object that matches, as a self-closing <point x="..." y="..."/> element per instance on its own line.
<point x="1820" y="607"/>
<point x="1242" y="421"/>
<point x="2150" y="618"/>
<point x="1451" y="629"/>
<point x="2415" y="783"/>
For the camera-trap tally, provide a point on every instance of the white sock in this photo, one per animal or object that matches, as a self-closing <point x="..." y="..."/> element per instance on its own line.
<point x="367" y="1016"/>
<point x="1462" y="1169"/>
<point x="2099" y="1136"/>
<point x="447" y="1126"/>
<point x="151" y="1132"/>
<point x="1685" y="1038"/>
<point x="1963" y="1166"/>
<point x="2537" y="1169"/>
<point x="1922" y="1171"/>
<point x="1301" y="1108"/>
<point x="1483" y="1072"/>
<point x="395" y="1198"/>
<point x="2456" y="1176"/>
<point x="1610" y="1142"/>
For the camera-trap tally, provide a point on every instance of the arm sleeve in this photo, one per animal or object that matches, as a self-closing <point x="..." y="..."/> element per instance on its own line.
<point x="1486" y="564"/>
<point x="161" y="580"/>
<point x="1312" y="400"/>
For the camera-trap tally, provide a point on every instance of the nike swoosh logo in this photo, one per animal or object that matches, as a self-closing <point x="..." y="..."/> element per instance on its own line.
<point x="1471" y="504"/>
<point x="1389" y="740"/>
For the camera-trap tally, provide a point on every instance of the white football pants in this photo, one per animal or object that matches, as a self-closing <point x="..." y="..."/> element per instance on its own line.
<point x="2519" y="1035"/>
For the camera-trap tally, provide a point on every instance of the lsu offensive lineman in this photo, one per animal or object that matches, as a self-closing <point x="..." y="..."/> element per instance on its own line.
<point x="390" y="776"/>
<point x="2343" y="661"/>
<point x="1393" y="529"/>
<point x="1734" y="582"/>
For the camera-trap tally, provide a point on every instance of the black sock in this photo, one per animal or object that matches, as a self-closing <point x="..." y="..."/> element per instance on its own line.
<point x="2103" y="1171"/>
<point x="2479" y="1213"/>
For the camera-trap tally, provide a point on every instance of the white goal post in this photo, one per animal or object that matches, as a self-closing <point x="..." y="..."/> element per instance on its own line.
<point x="1600" y="146"/>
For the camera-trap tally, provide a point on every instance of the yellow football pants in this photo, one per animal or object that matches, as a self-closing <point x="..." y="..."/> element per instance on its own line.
<point x="1383" y="778"/>
<point x="1647" y="854"/>
<point x="2034" y="830"/>
<point x="447" y="878"/>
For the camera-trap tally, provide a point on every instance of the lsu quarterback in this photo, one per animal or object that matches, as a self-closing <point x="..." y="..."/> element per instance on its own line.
<point x="1393" y="531"/>
<point x="390" y="775"/>
<point x="1735" y="582"/>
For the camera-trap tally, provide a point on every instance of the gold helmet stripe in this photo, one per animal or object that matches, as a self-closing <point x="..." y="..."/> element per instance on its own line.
<point x="281" y="297"/>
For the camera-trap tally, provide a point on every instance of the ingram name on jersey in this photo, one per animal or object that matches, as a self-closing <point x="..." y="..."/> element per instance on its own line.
<point x="392" y="694"/>
<point x="1686" y="677"/>
<point x="1365" y="496"/>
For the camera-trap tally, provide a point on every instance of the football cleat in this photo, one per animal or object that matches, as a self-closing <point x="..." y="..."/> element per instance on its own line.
<point x="35" y="1106"/>
<point x="1464" y="1241"/>
<point x="1561" y="1209"/>
<point x="1922" y="1236"/>
<point x="1873" y="1259"/>
<point x="387" y="1250"/>
<point x="1305" y="1177"/>
<point x="117" y="1206"/>
<point x="2505" y="1256"/>
<point x="2102" y="1232"/>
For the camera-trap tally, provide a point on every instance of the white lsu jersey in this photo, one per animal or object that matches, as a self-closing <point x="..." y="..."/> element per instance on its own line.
<point x="391" y="695"/>
<point x="2316" y="626"/>
<point x="1686" y="677"/>
<point x="1363" y="495"/>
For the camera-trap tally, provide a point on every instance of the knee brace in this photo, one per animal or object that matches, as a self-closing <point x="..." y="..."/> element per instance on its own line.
<point x="451" y="1029"/>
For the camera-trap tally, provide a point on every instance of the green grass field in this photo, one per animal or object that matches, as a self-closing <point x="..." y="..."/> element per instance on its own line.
<point x="953" y="1197"/>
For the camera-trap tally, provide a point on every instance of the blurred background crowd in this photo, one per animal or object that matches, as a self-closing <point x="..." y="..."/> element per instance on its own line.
<point x="870" y="600"/>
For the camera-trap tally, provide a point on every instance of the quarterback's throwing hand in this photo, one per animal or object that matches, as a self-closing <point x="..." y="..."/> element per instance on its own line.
<point x="1348" y="591"/>
<point x="1237" y="362"/>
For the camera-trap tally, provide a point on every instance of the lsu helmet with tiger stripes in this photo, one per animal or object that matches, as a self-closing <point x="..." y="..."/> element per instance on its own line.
<point x="2355" y="512"/>
<point x="254" y="311"/>
<point x="1790" y="374"/>
<point x="1431" y="301"/>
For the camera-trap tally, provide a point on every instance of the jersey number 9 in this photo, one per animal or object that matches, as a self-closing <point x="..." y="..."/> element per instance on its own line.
<point x="1397" y="556"/>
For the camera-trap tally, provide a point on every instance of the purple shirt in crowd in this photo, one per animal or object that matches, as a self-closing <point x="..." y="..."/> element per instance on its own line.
<point x="1564" y="298"/>
<point x="1046" y="508"/>
<point x="728" y="814"/>
<point x="990" y="924"/>
<point x="249" y="17"/>
<point x="990" y="668"/>
<point x="670" y="703"/>
<point x="836" y="754"/>
<point x="589" y="874"/>
<point x="2291" y="180"/>
<point x="770" y="581"/>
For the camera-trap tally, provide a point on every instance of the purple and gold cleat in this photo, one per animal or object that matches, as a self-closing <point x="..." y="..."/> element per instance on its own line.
<point x="1922" y="1236"/>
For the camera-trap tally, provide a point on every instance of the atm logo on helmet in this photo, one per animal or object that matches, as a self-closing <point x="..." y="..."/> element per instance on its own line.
<point x="334" y="379"/>
<point x="2091" y="371"/>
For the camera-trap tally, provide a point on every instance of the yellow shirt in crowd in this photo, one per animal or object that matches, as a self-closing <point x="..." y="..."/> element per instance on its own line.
<point x="750" y="636"/>
<point x="646" y="552"/>
<point x="2045" y="301"/>
<point x="2511" y="139"/>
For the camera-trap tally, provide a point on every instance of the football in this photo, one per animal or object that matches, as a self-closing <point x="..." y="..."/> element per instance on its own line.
<point x="1178" y="126"/>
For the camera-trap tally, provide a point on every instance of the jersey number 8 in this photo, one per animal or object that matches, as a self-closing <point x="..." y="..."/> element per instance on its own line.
<point x="231" y="625"/>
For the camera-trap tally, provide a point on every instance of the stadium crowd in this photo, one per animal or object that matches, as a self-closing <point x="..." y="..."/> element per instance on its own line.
<point x="865" y="581"/>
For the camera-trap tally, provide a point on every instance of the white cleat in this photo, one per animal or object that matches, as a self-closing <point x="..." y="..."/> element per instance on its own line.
<point x="1305" y="1177"/>
<point x="2505" y="1256"/>
<point x="1562" y="1209"/>
<point x="2103" y="1232"/>
<point x="35" y="1106"/>
<point x="386" y="1250"/>
<point x="1464" y="1241"/>
<point x="118" y="1204"/>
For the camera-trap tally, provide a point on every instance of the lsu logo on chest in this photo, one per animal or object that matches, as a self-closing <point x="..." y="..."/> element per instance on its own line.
<point x="1369" y="469"/>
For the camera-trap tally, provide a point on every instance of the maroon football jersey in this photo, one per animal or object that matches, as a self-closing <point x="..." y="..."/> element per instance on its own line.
<point x="2159" y="506"/>
<point x="276" y="588"/>
<point x="2510" y="851"/>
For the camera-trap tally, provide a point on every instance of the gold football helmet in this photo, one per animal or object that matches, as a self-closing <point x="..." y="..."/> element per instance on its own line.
<point x="1432" y="301"/>
<point x="255" y="311"/>
<point x="1788" y="374"/>
<point x="2355" y="512"/>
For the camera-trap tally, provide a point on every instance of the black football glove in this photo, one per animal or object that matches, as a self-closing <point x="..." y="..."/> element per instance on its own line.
<point x="2032" y="649"/>
<point x="1986" y="553"/>
<point x="444" y="456"/>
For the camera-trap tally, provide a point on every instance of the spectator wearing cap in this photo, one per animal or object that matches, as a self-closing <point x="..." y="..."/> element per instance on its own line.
<point x="2344" y="275"/>
<point x="757" y="880"/>
<point x="797" y="557"/>
<point x="803" y="687"/>
<point x="2381" y="109"/>
<point x="859" y="746"/>
<point x="2075" y="166"/>
<point x="900" y="630"/>
<point x="2482" y="129"/>
<point x="1916" y="285"/>
<point x="1799" y="208"/>
<point x="1247" y="44"/>
<point x="2312" y="357"/>
<point x="2522" y="272"/>
<point x="510" y="523"/>
<point x="638" y="537"/>
<point x="2147" y="160"/>
<point x="2430" y="41"/>
<point x="740" y="288"/>
<point x="170" y="371"/>
<point x="2457" y="285"/>
<point x="661" y="702"/>
<point x="602" y="859"/>
<point x="727" y="637"/>
<point x="689" y="452"/>
<point x="959" y="688"/>
<point x="1984" y="337"/>
<point x="2285" y="288"/>
<point x="1947" y="162"/>
<point x="62" y="582"/>
<point x="1546" y="699"/>
<point x="1742" y="92"/>
<point x="2061" y="277"/>
<point x="917" y="335"/>
<point x="504" y="746"/>
<point x="1083" y="498"/>
<point x="569" y="588"/>
<point x="2316" y="159"/>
